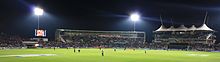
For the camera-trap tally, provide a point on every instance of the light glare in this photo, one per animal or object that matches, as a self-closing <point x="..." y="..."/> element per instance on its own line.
<point x="135" y="17"/>
<point x="38" y="11"/>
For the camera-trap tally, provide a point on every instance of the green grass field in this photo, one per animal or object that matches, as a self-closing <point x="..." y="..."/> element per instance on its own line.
<point x="94" y="55"/>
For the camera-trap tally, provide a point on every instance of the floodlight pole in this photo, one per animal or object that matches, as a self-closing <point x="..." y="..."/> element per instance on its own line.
<point x="134" y="17"/>
<point x="38" y="21"/>
<point x="38" y="11"/>
<point x="134" y="30"/>
<point x="134" y="25"/>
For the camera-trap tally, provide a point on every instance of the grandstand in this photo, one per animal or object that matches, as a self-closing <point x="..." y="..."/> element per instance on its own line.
<point x="195" y="38"/>
<point x="10" y="41"/>
<point x="86" y="38"/>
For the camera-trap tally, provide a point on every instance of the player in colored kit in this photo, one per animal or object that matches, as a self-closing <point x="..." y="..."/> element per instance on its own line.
<point x="102" y="52"/>
<point x="74" y="49"/>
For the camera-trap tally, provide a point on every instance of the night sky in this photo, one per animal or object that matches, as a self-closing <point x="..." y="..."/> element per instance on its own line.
<point x="16" y="16"/>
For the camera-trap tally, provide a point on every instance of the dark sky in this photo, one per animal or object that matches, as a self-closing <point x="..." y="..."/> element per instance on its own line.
<point x="16" y="16"/>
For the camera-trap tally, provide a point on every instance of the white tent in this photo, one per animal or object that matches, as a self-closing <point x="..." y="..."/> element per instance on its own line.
<point x="162" y="28"/>
<point x="171" y="28"/>
<point x="181" y="28"/>
<point x="205" y="28"/>
<point x="192" y="28"/>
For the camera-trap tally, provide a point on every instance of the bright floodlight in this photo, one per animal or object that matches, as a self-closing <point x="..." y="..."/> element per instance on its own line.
<point x="135" y="17"/>
<point x="38" y="11"/>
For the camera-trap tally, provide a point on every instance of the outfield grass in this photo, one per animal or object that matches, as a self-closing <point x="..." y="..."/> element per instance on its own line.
<point x="94" y="55"/>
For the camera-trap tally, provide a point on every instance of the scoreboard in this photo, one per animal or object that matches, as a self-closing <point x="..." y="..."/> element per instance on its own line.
<point x="40" y="33"/>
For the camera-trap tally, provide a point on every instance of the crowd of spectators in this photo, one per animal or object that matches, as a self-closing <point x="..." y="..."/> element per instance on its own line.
<point x="100" y="41"/>
<point x="96" y="41"/>
<point x="10" y="41"/>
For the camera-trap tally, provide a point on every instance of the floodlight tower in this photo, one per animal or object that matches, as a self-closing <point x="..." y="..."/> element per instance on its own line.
<point x="134" y="17"/>
<point x="38" y="11"/>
